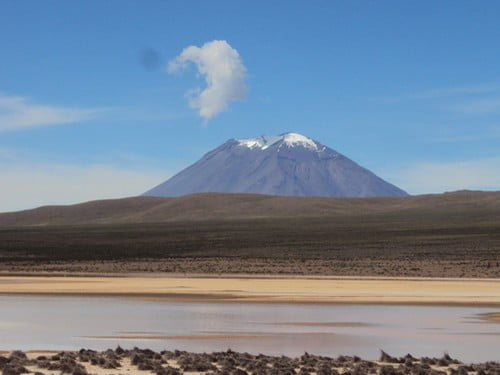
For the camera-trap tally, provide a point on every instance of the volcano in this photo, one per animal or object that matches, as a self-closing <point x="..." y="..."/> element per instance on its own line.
<point x="288" y="164"/>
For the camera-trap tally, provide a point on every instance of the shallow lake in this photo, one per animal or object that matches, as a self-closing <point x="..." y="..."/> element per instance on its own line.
<point x="46" y="322"/>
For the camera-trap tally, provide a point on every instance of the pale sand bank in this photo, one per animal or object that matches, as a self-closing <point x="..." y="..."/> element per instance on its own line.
<point x="305" y="290"/>
<point x="491" y="317"/>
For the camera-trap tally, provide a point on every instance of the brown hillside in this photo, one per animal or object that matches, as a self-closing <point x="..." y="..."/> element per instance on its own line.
<point x="461" y="206"/>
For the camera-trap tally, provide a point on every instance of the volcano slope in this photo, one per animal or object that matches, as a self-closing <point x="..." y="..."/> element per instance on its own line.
<point x="446" y="235"/>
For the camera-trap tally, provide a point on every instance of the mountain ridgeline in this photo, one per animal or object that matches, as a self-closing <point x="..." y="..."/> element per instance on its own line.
<point x="289" y="164"/>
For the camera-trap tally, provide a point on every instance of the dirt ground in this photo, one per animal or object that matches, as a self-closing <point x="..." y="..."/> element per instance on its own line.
<point x="359" y="246"/>
<point x="268" y="266"/>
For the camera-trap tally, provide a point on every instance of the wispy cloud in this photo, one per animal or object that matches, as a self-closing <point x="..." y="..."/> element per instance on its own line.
<point x="31" y="185"/>
<point x="455" y="91"/>
<point x="446" y="93"/>
<point x="17" y="112"/>
<point x="8" y="154"/>
<point x="486" y="133"/>
<point x="478" y="106"/>
<point x="224" y="73"/>
<point x="429" y="177"/>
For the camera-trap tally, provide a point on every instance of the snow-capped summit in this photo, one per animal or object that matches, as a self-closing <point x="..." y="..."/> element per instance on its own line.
<point x="285" y="164"/>
<point x="288" y="139"/>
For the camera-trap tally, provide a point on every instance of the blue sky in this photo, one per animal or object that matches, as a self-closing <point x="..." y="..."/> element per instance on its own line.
<point x="88" y="108"/>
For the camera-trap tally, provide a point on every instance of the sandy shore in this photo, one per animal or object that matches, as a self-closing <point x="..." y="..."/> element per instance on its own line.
<point x="252" y="289"/>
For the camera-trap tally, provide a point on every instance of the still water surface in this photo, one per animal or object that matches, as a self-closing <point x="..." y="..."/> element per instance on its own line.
<point x="41" y="322"/>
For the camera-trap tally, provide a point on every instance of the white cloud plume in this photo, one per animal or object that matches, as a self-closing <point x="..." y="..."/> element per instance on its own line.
<point x="17" y="112"/>
<point x="224" y="74"/>
<point x="431" y="177"/>
<point x="28" y="186"/>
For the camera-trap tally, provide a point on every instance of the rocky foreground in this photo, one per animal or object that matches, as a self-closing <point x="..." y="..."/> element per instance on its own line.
<point x="145" y="361"/>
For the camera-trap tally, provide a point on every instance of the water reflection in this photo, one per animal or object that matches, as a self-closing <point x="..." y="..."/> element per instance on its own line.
<point x="40" y="322"/>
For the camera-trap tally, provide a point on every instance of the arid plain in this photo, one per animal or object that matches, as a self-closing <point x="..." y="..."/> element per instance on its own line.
<point x="453" y="235"/>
